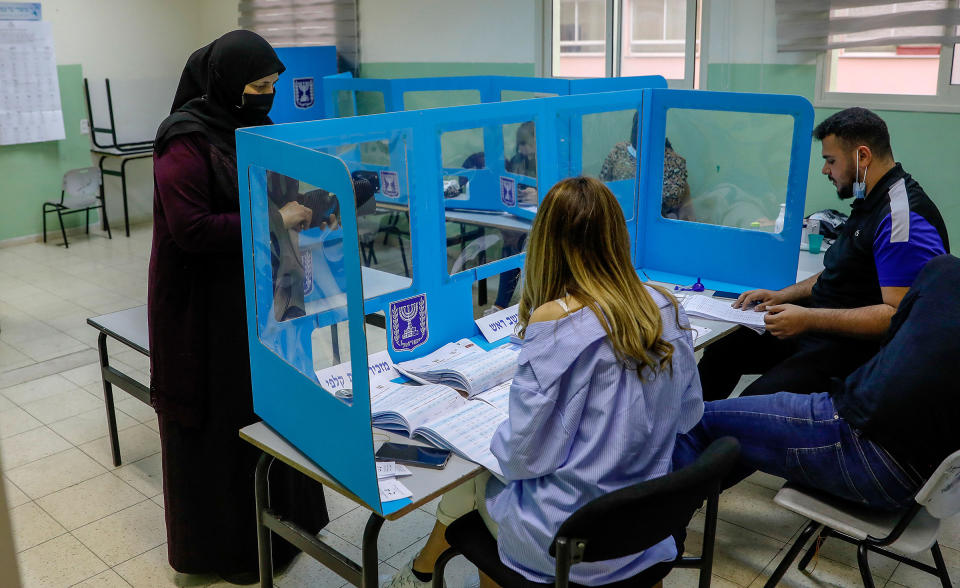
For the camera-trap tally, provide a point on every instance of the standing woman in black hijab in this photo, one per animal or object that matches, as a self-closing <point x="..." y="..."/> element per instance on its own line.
<point x="199" y="363"/>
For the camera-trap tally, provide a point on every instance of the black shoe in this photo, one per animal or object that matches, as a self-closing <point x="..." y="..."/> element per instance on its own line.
<point x="240" y="578"/>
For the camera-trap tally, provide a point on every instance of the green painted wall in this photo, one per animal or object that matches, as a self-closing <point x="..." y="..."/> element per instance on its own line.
<point x="924" y="142"/>
<point x="32" y="172"/>
<point x="426" y="70"/>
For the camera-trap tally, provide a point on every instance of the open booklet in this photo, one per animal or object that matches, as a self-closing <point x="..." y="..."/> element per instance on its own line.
<point x="465" y="366"/>
<point x="720" y="310"/>
<point x="442" y="416"/>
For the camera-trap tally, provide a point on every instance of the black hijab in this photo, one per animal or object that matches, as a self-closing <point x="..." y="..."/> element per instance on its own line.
<point x="210" y="94"/>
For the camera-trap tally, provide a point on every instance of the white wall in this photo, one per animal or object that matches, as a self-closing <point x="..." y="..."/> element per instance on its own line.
<point x="745" y="31"/>
<point x="491" y="31"/>
<point x="216" y="18"/>
<point x="141" y="45"/>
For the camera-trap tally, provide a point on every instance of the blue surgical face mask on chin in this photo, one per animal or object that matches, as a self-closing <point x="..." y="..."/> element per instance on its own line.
<point x="632" y="151"/>
<point x="859" y="188"/>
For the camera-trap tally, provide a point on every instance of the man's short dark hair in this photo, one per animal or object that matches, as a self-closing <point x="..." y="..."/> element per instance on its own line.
<point x="857" y="126"/>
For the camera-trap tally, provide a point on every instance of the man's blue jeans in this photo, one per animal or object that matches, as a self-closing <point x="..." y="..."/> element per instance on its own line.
<point x="801" y="437"/>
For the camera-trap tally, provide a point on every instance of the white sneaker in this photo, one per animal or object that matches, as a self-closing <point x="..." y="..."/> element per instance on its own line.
<point x="472" y="580"/>
<point x="405" y="579"/>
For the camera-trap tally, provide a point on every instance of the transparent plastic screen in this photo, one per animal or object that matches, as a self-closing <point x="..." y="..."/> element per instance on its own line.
<point x="359" y="102"/>
<point x="726" y="168"/>
<point x="510" y="95"/>
<point x="609" y="152"/>
<point x="420" y="99"/>
<point x="380" y="173"/>
<point x="300" y="273"/>
<point x="490" y="196"/>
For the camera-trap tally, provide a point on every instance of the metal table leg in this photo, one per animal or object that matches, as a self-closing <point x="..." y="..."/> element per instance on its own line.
<point x="123" y="187"/>
<point x="103" y="193"/>
<point x="369" y="558"/>
<point x="269" y="522"/>
<point x="262" y="497"/>
<point x="108" y="398"/>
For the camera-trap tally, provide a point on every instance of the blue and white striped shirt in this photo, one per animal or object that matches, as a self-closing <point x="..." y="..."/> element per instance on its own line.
<point x="582" y="425"/>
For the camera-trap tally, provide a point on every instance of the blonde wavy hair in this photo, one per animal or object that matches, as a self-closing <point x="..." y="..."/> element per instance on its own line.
<point x="579" y="246"/>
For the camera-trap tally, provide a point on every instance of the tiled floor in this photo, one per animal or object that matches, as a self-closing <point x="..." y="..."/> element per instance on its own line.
<point x="78" y="521"/>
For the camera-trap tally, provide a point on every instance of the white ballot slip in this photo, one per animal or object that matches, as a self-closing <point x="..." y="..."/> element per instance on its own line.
<point x="391" y="489"/>
<point x="392" y="469"/>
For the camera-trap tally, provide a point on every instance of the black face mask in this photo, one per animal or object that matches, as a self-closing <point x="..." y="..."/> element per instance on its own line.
<point x="255" y="108"/>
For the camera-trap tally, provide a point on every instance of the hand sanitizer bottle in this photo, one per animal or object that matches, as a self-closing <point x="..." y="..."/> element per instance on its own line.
<point x="778" y="224"/>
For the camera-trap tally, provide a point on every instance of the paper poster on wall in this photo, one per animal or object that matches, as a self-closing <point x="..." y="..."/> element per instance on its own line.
<point x="30" y="108"/>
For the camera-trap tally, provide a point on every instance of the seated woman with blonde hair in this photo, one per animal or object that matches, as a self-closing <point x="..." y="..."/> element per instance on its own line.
<point x="606" y="380"/>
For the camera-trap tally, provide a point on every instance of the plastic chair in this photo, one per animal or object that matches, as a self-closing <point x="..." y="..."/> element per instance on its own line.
<point x="909" y="532"/>
<point x="80" y="192"/>
<point x="618" y="524"/>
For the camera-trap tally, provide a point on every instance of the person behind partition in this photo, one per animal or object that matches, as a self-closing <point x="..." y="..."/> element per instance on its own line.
<point x="621" y="164"/>
<point x="606" y="380"/>
<point x="522" y="162"/>
<point x="873" y="438"/>
<point x="828" y="325"/>
<point x="199" y="359"/>
<point x="291" y="212"/>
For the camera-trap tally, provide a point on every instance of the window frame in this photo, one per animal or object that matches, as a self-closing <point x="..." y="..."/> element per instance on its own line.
<point x="548" y="45"/>
<point x="580" y="42"/>
<point x="947" y="98"/>
<point x="663" y="41"/>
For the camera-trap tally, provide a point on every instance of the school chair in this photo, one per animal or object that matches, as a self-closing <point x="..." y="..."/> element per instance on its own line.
<point x="80" y="191"/>
<point x="906" y="533"/>
<point x="618" y="524"/>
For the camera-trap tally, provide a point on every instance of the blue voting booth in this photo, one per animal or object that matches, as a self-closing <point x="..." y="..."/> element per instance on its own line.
<point x="358" y="96"/>
<point x="448" y="214"/>
<point x="299" y="91"/>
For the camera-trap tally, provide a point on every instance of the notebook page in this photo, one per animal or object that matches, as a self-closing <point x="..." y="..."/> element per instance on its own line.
<point x="447" y="353"/>
<point x="469" y="431"/>
<point x="483" y="371"/>
<point x="721" y="310"/>
<point x="417" y="404"/>
<point x="497" y="397"/>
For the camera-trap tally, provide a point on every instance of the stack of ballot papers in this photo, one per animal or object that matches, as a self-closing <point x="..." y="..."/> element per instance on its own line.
<point x="390" y="487"/>
<point x="465" y="366"/>
<point x="720" y="310"/>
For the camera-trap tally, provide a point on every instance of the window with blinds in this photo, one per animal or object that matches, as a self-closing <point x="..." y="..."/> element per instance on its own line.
<point x="877" y="47"/>
<point x="293" y="23"/>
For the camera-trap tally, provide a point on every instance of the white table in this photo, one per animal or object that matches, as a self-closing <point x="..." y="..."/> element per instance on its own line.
<point x="425" y="484"/>
<point x="130" y="328"/>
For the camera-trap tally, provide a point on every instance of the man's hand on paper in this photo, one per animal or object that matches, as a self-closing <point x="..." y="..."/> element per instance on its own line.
<point x="787" y="320"/>
<point x="760" y="300"/>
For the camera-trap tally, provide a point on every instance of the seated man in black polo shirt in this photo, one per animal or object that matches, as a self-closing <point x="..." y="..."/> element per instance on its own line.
<point x="876" y="436"/>
<point x="830" y="324"/>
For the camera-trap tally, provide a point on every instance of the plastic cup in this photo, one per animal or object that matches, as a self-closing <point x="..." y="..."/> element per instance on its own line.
<point x="815" y="242"/>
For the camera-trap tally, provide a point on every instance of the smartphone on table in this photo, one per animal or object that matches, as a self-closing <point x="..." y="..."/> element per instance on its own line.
<point x="415" y="455"/>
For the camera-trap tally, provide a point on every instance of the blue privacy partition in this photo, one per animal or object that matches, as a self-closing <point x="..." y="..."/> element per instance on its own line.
<point x="299" y="90"/>
<point x="417" y="259"/>
<point x="747" y="155"/>
<point x="351" y="97"/>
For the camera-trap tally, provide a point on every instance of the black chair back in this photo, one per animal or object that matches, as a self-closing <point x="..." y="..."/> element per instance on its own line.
<point x="657" y="508"/>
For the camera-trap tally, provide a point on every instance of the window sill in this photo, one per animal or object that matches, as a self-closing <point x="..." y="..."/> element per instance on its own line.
<point x="886" y="102"/>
